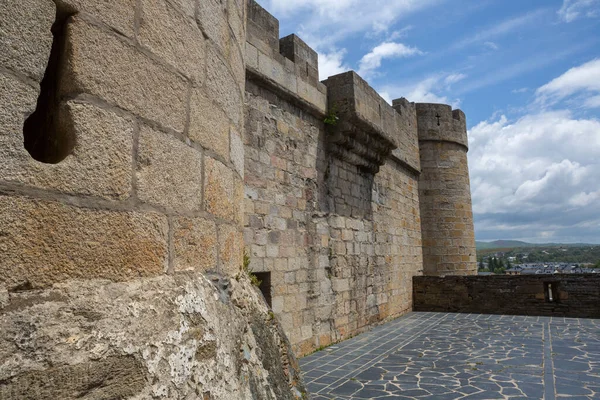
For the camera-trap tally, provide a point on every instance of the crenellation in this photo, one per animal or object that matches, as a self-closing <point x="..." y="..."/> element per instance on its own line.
<point x="305" y="58"/>
<point x="438" y="122"/>
<point x="262" y="29"/>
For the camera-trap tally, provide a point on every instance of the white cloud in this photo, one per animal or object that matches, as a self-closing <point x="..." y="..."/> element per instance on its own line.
<point x="433" y="89"/>
<point x="574" y="9"/>
<point x="506" y="71"/>
<point x="520" y="90"/>
<point x="491" y="45"/>
<point x="592" y="102"/>
<point x="332" y="64"/>
<point x="505" y="27"/>
<point x="538" y="173"/>
<point x="386" y="96"/>
<point x="399" y="33"/>
<point x="326" y="22"/>
<point x="422" y="92"/>
<point x="372" y="60"/>
<point x="453" y="78"/>
<point x="583" y="79"/>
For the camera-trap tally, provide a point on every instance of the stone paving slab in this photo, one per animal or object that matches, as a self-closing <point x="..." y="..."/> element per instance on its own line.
<point x="462" y="356"/>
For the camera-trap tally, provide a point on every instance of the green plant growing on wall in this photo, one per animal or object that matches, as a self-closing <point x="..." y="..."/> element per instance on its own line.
<point x="248" y="271"/>
<point x="331" y="118"/>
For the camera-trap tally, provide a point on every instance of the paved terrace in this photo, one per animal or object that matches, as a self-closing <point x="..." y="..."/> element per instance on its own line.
<point x="462" y="356"/>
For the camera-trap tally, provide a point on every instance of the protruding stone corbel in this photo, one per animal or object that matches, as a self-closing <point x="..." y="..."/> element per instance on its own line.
<point x="361" y="124"/>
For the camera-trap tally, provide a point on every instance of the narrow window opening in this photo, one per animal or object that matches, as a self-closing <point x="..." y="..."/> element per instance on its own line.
<point x="44" y="137"/>
<point x="551" y="292"/>
<point x="265" y="286"/>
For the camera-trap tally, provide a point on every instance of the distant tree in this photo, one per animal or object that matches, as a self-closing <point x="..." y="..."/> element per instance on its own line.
<point x="508" y="265"/>
<point x="481" y="265"/>
<point x="494" y="264"/>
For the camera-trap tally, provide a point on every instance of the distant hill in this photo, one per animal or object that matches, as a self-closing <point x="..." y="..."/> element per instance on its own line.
<point x="511" y="244"/>
<point x="502" y="244"/>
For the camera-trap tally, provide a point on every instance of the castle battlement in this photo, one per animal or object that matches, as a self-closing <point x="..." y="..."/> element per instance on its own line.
<point x="287" y="64"/>
<point x="439" y="122"/>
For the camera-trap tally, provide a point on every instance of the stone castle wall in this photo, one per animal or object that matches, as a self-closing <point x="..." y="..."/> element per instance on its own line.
<point x="145" y="143"/>
<point x="333" y="211"/>
<point x="121" y="193"/>
<point x="122" y="156"/>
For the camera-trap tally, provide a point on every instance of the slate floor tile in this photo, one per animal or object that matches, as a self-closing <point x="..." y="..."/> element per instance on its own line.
<point x="466" y="356"/>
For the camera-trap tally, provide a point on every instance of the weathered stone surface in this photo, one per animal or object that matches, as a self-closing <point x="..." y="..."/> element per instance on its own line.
<point x="99" y="165"/>
<point x="231" y="249"/>
<point x="209" y="124"/>
<point x="219" y="190"/>
<point x="236" y="13"/>
<point x="212" y="18"/>
<point x="107" y="67"/>
<point x="113" y="377"/>
<point x="44" y="242"/>
<point x="195" y="244"/>
<point x="118" y="14"/>
<point x="173" y="36"/>
<point x="169" y="172"/>
<point x="188" y="7"/>
<point x="237" y="152"/>
<point x="25" y="39"/>
<point x="263" y="29"/>
<point x="221" y="86"/>
<point x="365" y="132"/>
<point x="18" y="101"/>
<point x="407" y="134"/>
<point x="175" y="337"/>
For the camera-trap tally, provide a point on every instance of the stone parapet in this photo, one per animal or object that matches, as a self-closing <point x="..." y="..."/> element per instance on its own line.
<point x="287" y="66"/>
<point x="438" y="122"/>
<point x="407" y="152"/>
<point x="572" y="295"/>
<point x="364" y="132"/>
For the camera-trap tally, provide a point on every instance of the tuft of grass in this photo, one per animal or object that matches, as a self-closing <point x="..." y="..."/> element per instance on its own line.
<point x="332" y="118"/>
<point x="248" y="271"/>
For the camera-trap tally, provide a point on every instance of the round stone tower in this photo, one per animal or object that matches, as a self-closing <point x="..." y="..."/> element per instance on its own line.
<point x="445" y="193"/>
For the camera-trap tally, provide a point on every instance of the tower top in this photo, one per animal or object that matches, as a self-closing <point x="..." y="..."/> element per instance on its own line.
<point x="438" y="122"/>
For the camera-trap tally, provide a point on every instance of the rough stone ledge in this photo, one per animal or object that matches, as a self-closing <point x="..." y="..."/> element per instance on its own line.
<point x="177" y="337"/>
<point x="366" y="123"/>
<point x="263" y="81"/>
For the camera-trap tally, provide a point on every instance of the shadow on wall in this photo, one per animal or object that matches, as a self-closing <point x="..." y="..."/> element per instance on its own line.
<point x="349" y="189"/>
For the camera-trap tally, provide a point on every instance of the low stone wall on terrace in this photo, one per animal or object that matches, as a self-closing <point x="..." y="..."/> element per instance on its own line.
<point x="575" y="296"/>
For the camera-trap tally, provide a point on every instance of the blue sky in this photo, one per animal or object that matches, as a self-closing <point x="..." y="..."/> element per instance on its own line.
<point x="526" y="73"/>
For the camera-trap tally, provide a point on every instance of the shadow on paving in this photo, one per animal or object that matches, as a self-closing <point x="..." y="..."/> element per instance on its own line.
<point x="462" y="356"/>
